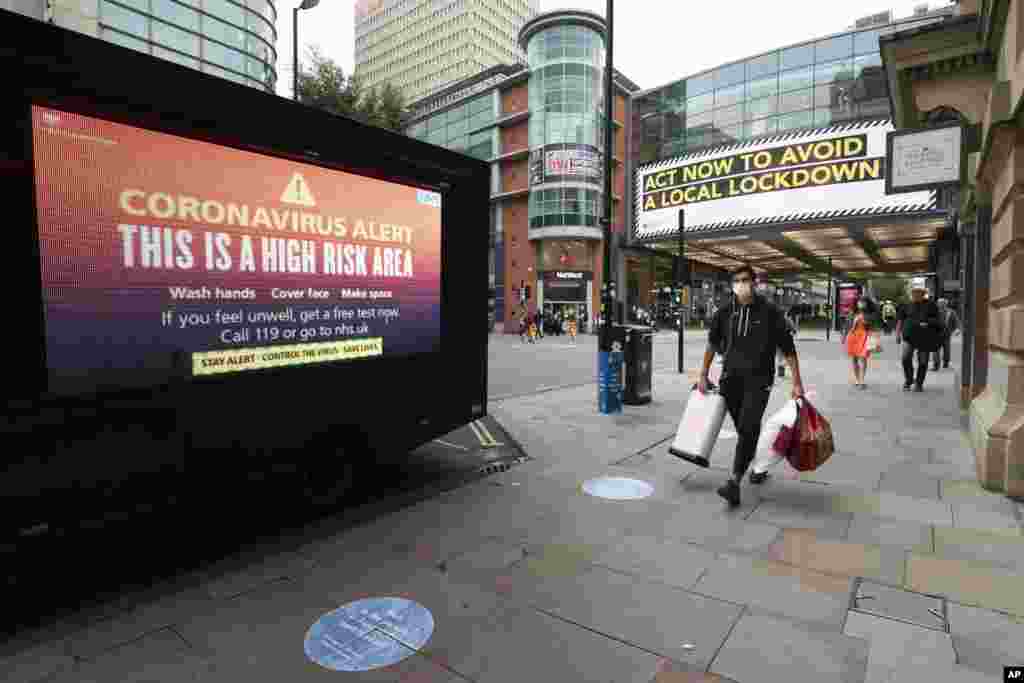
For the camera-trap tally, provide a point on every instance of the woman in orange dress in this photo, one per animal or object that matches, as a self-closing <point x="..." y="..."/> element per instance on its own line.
<point x="857" y="339"/>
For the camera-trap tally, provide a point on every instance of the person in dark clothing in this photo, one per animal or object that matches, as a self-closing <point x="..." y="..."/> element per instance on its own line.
<point x="950" y="324"/>
<point x="914" y="320"/>
<point x="540" y="324"/>
<point x="748" y="334"/>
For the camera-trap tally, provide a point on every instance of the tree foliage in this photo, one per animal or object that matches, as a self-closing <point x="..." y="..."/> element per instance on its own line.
<point x="323" y="84"/>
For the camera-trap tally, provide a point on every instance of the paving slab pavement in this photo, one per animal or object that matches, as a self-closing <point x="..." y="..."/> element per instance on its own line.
<point x="529" y="577"/>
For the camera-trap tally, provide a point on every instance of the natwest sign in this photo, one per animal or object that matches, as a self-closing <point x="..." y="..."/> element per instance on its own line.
<point x="570" y="275"/>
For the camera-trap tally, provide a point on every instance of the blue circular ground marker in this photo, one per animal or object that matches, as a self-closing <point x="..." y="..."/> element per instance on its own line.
<point x="618" y="488"/>
<point x="369" y="634"/>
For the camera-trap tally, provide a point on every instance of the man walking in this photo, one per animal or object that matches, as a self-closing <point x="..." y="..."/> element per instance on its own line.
<point x="950" y="325"/>
<point x="748" y="334"/>
<point x="918" y="322"/>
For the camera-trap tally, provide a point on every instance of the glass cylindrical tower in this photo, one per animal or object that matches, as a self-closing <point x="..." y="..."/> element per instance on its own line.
<point x="566" y="54"/>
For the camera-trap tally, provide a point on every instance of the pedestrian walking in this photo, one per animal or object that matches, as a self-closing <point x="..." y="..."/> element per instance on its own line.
<point x="857" y="338"/>
<point x="540" y="324"/>
<point x="523" y="328"/>
<point x="888" y="317"/>
<point x="950" y="325"/>
<point x="572" y="329"/>
<point x="531" y="329"/>
<point x="919" y="330"/>
<point x="748" y="334"/>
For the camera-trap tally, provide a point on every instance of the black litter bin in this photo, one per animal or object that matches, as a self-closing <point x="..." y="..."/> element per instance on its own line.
<point x="639" y="359"/>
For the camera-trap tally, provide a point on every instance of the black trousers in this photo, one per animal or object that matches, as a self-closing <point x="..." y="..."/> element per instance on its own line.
<point x="908" y="364"/>
<point x="746" y="399"/>
<point x="946" y="353"/>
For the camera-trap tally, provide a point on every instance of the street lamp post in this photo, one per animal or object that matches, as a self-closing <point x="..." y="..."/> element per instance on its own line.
<point x="306" y="4"/>
<point x="607" y="289"/>
<point x="681" y="282"/>
<point x="609" y="354"/>
<point x="831" y="313"/>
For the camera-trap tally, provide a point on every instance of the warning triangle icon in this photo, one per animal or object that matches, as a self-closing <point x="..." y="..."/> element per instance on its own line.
<point x="298" y="192"/>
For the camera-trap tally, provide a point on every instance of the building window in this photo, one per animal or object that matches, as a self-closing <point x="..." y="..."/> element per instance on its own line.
<point x="172" y="56"/>
<point x="124" y="40"/>
<point x="175" y="38"/>
<point x="123" y="19"/>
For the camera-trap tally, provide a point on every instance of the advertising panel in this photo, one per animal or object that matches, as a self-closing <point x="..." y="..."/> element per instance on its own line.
<point x="830" y="173"/>
<point x="163" y="256"/>
<point x="848" y="295"/>
<point x="566" y="162"/>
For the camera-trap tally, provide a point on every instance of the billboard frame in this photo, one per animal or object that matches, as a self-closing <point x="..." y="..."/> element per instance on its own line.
<point x="342" y="408"/>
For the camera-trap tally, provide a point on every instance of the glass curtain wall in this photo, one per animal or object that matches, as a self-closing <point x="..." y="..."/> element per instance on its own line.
<point x="464" y="128"/>
<point x="566" y="92"/>
<point x="233" y="40"/>
<point x="812" y="85"/>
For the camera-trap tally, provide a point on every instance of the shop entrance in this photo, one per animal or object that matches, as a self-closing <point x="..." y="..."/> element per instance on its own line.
<point x="558" y="313"/>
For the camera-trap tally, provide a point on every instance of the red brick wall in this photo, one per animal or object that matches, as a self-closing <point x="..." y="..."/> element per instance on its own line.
<point x="515" y="138"/>
<point x="515" y="99"/>
<point x="514" y="175"/>
<point x="520" y="256"/>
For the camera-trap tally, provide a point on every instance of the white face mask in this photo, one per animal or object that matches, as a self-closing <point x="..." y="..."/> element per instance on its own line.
<point x="742" y="289"/>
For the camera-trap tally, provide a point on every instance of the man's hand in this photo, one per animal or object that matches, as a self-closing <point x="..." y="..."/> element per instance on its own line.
<point x="703" y="385"/>
<point x="798" y="390"/>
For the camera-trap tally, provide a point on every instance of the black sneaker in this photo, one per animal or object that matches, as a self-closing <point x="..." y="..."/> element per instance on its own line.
<point x="730" y="490"/>
<point x="906" y="387"/>
<point x="758" y="477"/>
<point x="918" y="388"/>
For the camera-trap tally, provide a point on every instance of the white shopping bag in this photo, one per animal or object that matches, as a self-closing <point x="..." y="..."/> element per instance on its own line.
<point x="699" y="428"/>
<point x="766" y="457"/>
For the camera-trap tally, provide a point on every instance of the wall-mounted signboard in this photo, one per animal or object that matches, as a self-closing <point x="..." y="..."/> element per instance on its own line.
<point x="922" y="159"/>
<point x="811" y="175"/>
<point x="565" y="162"/>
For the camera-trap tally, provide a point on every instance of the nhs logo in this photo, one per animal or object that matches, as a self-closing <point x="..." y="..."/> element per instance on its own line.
<point x="429" y="198"/>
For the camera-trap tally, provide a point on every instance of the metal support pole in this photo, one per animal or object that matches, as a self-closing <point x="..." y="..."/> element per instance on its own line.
<point x="295" y="54"/>
<point x="607" y="289"/>
<point x="679" y="283"/>
<point x="831" y="313"/>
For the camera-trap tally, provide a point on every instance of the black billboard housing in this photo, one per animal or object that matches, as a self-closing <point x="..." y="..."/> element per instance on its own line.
<point x="68" y="460"/>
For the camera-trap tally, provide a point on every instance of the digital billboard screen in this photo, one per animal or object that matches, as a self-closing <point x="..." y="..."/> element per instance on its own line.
<point x="164" y="256"/>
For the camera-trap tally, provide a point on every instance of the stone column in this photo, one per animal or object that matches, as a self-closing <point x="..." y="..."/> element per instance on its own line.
<point x="997" y="414"/>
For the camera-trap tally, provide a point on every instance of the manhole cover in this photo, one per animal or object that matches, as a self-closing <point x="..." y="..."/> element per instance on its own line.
<point x="618" y="488"/>
<point x="369" y="634"/>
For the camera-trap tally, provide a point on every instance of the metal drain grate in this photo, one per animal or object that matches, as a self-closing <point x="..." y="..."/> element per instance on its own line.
<point x="918" y="609"/>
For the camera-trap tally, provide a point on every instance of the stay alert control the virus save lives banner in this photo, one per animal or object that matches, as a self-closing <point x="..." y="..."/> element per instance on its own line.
<point x="165" y="256"/>
<point x="823" y="173"/>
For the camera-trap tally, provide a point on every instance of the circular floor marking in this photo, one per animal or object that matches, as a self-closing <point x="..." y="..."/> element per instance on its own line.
<point x="369" y="634"/>
<point x="618" y="488"/>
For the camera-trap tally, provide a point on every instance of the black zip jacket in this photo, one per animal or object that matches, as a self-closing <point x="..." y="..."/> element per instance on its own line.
<point x="749" y="338"/>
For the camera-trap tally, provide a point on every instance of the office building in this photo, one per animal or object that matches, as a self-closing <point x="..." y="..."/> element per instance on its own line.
<point x="423" y="46"/>
<point x="233" y="40"/>
<point x="541" y="126"/>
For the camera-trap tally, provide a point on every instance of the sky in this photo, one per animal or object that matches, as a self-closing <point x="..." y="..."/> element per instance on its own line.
<point x="655" y="42"/>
